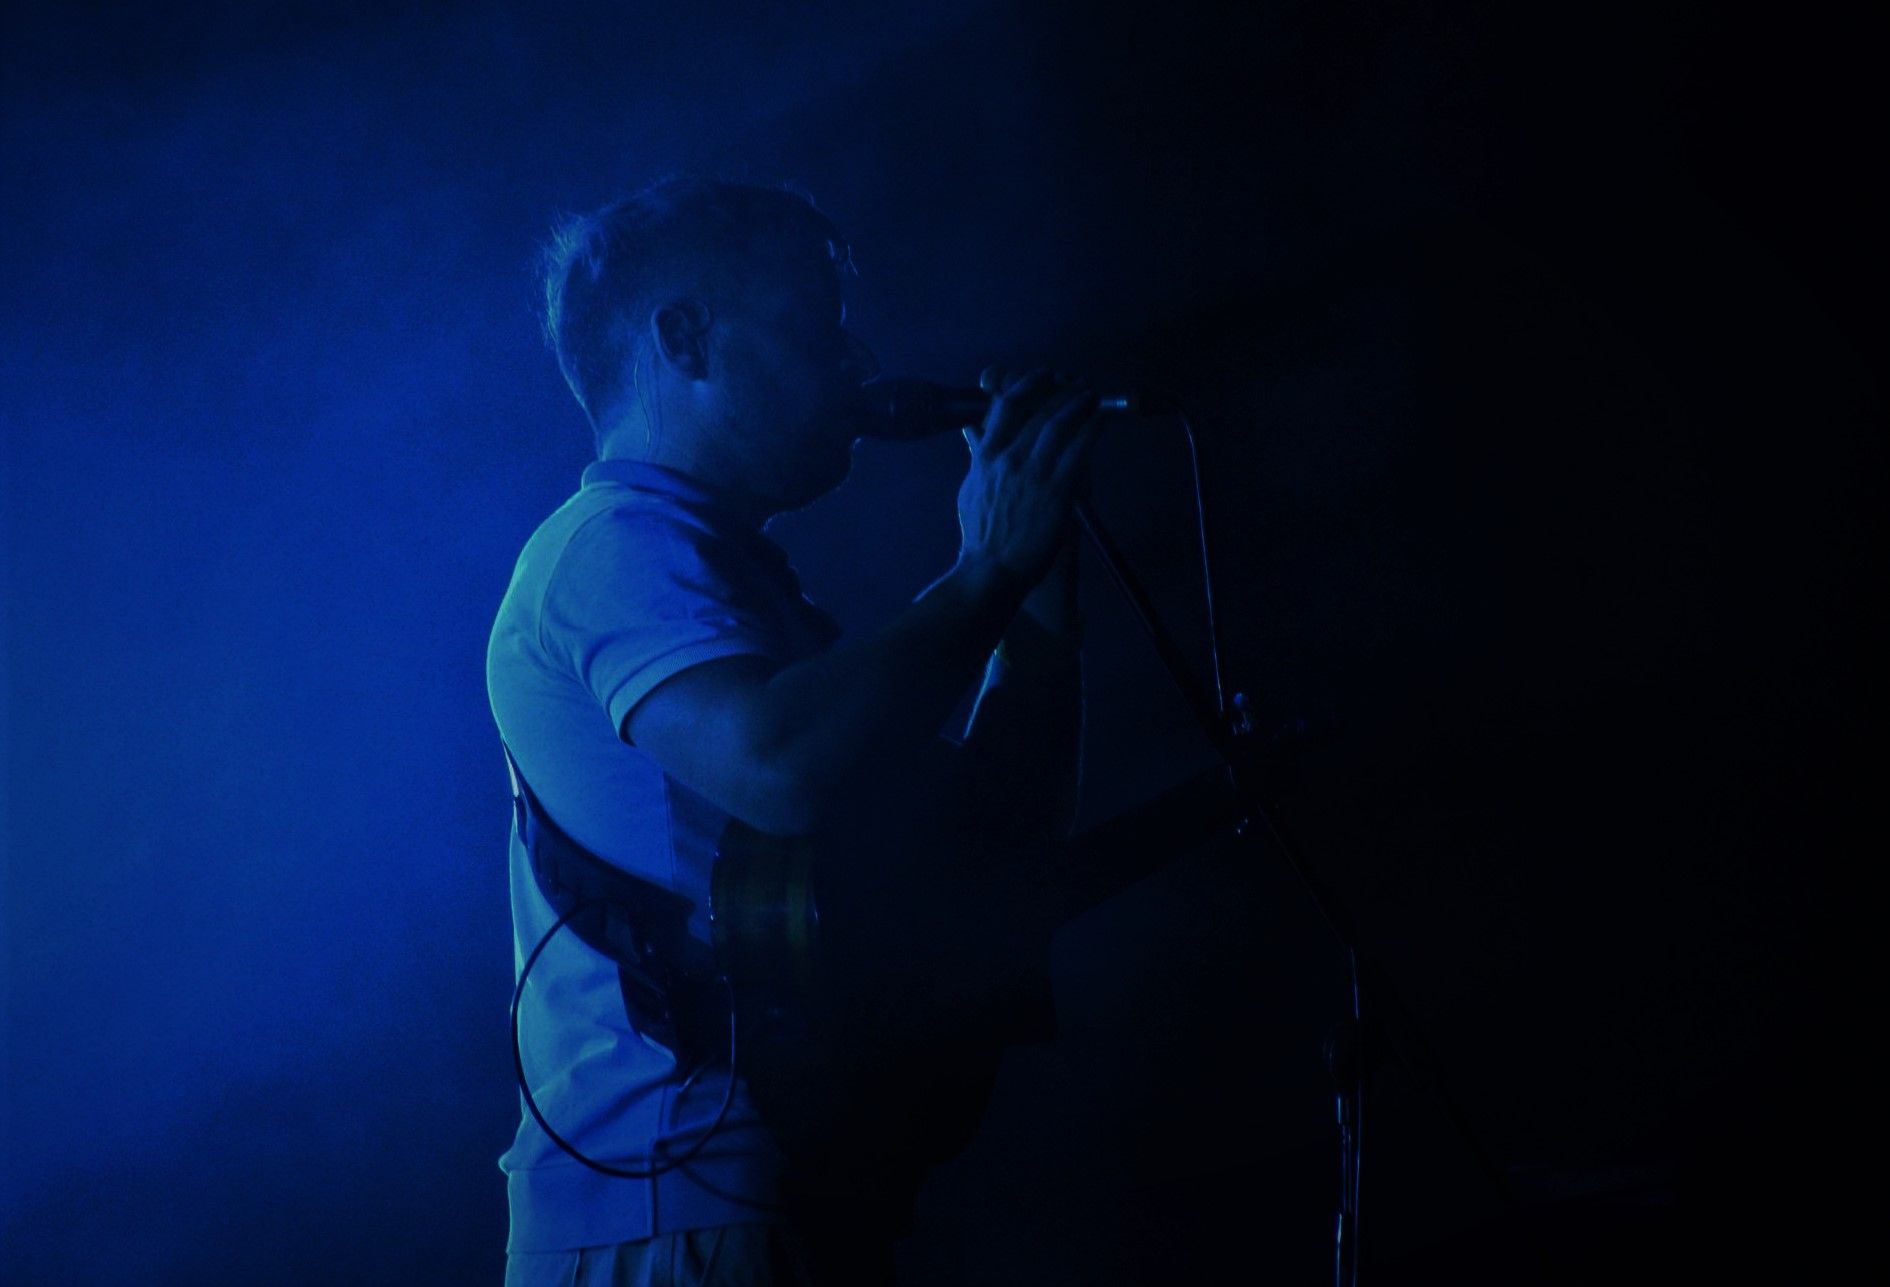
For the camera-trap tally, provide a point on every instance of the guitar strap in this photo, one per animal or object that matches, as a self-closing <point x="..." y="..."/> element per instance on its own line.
<point x="667" y="976"/>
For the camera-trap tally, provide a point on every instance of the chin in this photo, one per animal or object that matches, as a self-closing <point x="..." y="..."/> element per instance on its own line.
<point x="811" y="487"/>
<point x="839" y="463"/>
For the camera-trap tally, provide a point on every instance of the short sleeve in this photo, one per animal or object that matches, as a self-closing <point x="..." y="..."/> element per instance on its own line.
<point x="638" y="597"/>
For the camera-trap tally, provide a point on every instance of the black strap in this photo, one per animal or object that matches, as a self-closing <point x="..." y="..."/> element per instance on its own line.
<point x="664" y="971"/>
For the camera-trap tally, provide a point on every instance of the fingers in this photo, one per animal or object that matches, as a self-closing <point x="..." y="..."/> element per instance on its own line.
<point x="1037" y="416"/>
<point x="990" y="381"/>
<point x="1061" y="418"/>
<point x="1071" y="471"/>
<point x="1011" y="408"/>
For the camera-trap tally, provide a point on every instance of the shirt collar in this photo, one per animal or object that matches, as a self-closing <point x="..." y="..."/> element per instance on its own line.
<point x="672" y="484"/>
<point x="692" y="495"/>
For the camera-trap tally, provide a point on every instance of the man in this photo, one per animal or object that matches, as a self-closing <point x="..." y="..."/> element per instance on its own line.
<point x="655" y="672"/>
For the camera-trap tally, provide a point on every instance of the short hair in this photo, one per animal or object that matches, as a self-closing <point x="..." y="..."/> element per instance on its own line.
<point x="603" y="271"/>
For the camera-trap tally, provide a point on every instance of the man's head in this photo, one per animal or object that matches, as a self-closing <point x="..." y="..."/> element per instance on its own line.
<point x="700" y="325"/>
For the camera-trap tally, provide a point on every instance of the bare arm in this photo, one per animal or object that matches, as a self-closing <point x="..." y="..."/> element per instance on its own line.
<point x="1026" y="731"/>
<point x="776" y="748"/>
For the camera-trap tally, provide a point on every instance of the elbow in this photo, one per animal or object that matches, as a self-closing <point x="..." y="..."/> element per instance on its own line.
<point x="782" y="802"/>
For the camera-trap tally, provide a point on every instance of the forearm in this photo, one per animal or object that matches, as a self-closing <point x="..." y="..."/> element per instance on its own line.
<point x="829" y="718"/>
<point x="1026" y="729"/>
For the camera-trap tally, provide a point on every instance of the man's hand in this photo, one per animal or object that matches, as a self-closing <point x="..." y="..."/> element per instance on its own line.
<point x="1027" y="463"/>
<point x="781" y="748"/>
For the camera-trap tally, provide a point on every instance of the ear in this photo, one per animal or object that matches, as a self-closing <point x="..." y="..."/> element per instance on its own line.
<point x="680" y="329"/>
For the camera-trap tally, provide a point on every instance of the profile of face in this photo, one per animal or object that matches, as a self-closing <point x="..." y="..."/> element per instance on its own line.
<point x="782" y="374"/>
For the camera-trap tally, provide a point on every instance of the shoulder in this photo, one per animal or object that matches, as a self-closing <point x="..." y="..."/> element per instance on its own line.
<point x="628" y="547"/>
<point x="636" y="527"/>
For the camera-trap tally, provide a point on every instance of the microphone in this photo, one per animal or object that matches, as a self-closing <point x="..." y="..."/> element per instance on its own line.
<point x="907" y="410"/>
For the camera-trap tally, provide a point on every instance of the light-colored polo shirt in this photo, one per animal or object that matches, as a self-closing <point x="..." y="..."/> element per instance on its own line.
<point x="636" y="577"/>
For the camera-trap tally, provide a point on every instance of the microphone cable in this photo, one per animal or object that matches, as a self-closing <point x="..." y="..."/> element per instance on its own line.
<point x="657" y="1166"/>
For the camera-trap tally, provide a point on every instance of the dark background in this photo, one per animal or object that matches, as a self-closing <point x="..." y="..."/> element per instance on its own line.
<point x="1533" y="354"/>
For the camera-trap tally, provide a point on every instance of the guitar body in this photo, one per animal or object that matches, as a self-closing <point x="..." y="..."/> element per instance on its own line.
<point x="877" y="979"/>
<point x="879" y="970"/>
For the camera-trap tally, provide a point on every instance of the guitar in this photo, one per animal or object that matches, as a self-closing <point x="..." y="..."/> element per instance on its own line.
<point x="879" y="972"/>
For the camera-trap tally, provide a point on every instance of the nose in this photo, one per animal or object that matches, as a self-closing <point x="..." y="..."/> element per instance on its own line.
<point x="857" y="362"/>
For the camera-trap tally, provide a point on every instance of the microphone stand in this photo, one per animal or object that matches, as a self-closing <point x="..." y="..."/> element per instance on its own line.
<point x="1359" y="1042"/>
